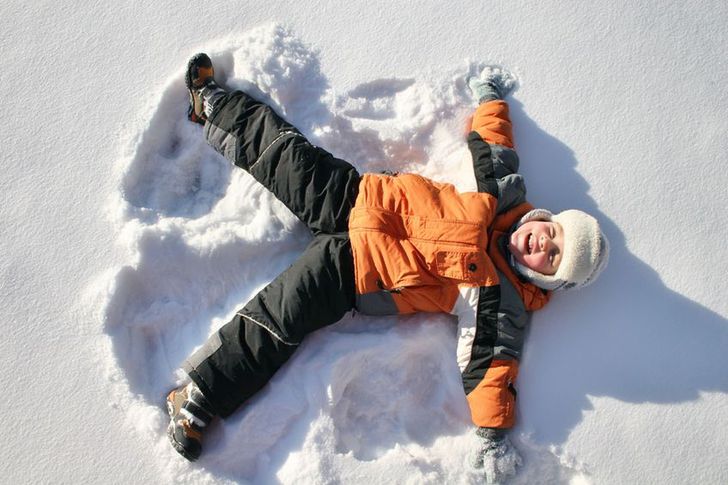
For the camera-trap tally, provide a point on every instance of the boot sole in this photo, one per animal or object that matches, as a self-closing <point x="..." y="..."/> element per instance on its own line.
<point x="188" y="76"/>
<point x="179" y="448"/>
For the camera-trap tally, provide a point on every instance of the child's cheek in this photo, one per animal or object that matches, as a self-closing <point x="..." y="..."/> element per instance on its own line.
<point x="536" y="262"/>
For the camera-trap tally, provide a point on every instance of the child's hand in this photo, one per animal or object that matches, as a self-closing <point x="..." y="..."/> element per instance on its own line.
<point x="493" y="82"/>
<point x="496" y="456"/>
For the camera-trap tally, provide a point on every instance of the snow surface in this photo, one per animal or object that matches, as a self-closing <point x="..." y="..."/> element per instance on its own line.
<point x="127" y="241"/>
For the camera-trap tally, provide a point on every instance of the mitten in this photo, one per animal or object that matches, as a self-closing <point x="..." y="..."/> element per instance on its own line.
<point x="495" y="456"/>
<point x="493" y="82"/>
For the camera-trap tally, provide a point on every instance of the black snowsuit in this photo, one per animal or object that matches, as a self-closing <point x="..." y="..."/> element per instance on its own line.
<point x="317" y="290"/>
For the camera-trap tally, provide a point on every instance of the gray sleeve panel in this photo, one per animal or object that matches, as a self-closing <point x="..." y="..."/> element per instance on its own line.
<point x="511" y="192"/>
<point x="513" y="322"/>
<point x="511" y="186"/>
<point x="505" y="160"/>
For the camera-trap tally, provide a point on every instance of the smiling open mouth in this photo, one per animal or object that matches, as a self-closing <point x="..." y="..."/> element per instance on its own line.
<point x="529" y="244"/>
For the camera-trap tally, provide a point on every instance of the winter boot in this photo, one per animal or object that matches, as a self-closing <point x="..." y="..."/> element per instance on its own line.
<point x="204" y="91"/>
<point x="190" y="413"/>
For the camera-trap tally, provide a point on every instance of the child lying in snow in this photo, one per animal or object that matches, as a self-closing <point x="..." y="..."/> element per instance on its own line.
<point x="388" y="244"/>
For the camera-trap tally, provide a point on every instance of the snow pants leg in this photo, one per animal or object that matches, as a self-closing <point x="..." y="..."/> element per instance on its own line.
<point x="239" y="359"/>
<point x="317" y="290"/>
<point x="316" y="186"/>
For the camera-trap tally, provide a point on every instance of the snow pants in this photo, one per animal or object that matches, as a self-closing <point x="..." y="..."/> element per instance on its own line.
<point x="317" y="290"/>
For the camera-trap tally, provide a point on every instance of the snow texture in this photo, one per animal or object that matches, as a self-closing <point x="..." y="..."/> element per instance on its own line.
<point x="127" y="240"/>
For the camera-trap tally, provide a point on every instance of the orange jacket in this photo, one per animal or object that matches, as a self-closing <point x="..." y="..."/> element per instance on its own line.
<point x="415" y="240"/>
<point x="420" y="245"/>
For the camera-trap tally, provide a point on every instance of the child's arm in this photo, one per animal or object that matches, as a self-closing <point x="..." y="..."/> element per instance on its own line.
<point x="491" y="139"/>
<point x="490" y="349"/>
<point x="490" y="343"/>
<point x="490" y="340"/>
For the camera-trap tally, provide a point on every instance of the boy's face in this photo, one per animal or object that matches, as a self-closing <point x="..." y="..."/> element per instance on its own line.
<point x="538" y="245"/>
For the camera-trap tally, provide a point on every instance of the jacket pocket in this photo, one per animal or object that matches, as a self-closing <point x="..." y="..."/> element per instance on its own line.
<point x="470" y="266"/>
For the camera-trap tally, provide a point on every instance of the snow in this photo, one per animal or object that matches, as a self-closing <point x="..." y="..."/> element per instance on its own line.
<point x="126" y="240"/>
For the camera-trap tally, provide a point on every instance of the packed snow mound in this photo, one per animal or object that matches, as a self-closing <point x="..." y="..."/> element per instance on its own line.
<point x="366" y="398"/>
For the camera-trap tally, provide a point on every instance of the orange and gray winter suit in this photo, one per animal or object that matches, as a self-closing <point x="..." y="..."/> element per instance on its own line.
<point x="383" y="244"/>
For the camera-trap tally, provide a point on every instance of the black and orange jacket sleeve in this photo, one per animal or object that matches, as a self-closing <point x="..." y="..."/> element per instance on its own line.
<point x="491" y="126"/>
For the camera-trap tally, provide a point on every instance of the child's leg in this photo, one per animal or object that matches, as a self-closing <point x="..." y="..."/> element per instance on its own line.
<point x="317" y="187"/>
<point x="239" y="359"/>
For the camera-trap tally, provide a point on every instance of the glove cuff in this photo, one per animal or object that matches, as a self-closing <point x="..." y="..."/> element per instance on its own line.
<point x="492" y="434"/>
<point x="491" y="92"/>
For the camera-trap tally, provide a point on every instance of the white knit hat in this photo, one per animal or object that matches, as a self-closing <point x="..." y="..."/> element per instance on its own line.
<point x="585" y="252"/>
